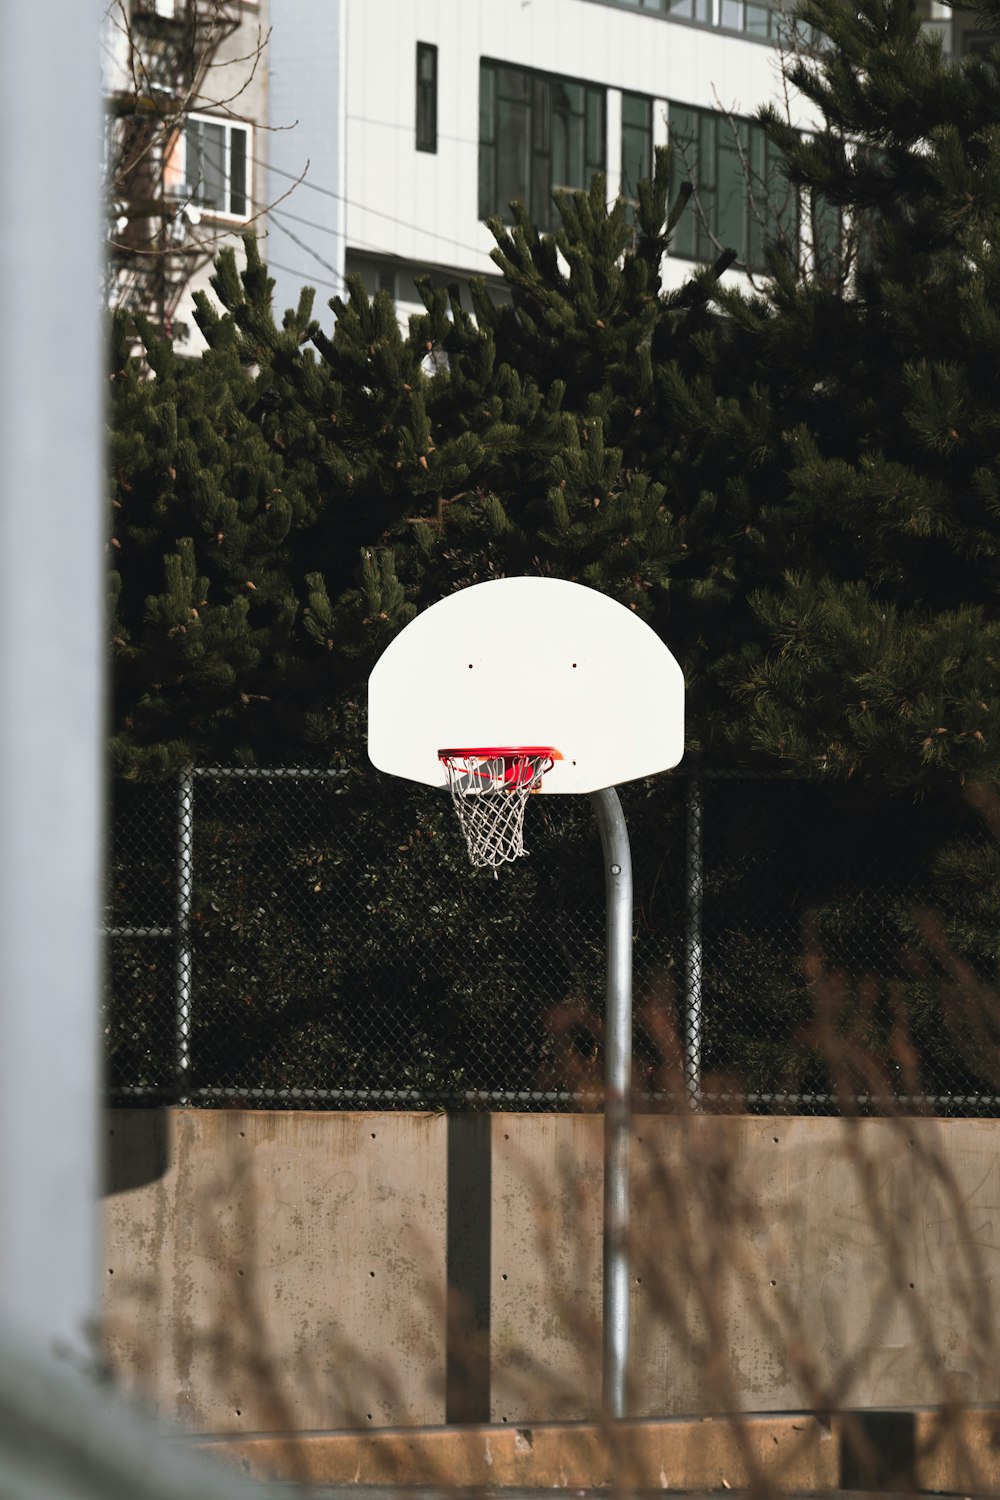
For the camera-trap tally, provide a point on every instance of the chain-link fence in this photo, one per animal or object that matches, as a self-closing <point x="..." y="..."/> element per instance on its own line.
<point x="304" y="938"/>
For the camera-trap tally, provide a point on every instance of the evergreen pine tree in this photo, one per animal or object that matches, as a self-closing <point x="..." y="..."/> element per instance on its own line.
<point x="285" y="503"/>
<point x="876" y="634"/>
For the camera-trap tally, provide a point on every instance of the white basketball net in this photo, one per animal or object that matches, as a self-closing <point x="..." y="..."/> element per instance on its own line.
<point x="490" y="792"/>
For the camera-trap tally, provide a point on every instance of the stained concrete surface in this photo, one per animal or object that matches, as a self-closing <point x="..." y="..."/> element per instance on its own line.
<point x="270" y="1272"/>
<point x="408" y="1492"/>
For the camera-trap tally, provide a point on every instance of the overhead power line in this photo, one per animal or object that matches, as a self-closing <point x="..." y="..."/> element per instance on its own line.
<point x="276" y="219"/>
<point x="308" y="276"/>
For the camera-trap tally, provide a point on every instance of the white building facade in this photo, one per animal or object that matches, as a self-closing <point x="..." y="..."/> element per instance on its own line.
<point x="306" y="149"/>
<point x="410" y="121"/>
<point x="530" y="98"/>
<point x="451" y="108"/>
<point x="374" y="136"/>
<point x="400" y="125"/>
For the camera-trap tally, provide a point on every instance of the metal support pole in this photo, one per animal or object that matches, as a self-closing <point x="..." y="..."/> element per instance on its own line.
<point x="694" y="862"/>
<point x="617" y="1097"/>
<point x="182" y="925"/>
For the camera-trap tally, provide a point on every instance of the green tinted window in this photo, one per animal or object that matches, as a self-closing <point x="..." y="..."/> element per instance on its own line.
<point x="683" y="145"/>
<point x="426" y="96"/>
<point x="487" y="102"/>
<point x="635" y="110"/>
<point x="742" y="199"/>
<point x="637" y="143"/>
<point x="238" y="172"/>
<point x="731" y="213"/>
<point x="537" y="133"/>
<point x="596" y="134"/>
<point x="827" y="236"/>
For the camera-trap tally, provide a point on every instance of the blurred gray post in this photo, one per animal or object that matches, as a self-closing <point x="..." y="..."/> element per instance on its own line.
<point x="51" y="654"/>
<point x="617" y="1098"/>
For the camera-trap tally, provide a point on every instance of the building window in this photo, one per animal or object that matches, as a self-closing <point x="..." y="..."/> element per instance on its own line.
<point x="537" y="133"/>
<point x="769" y="23"/>
<point x="637" y="144"/>
<point x="427" y="97"/>
<point x="742" y="197"/>
<point x="169" y="9"/>
<point x="690" y="10"/>
<point x="767" y="20"/>
<point x="216" y="166"/>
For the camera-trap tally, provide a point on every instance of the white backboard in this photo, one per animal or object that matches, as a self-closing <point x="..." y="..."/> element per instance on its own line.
<point x="528" y="661"/>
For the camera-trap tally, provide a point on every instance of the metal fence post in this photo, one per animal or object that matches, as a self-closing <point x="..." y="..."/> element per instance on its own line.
<point x="182" y="926"/>
<point x="617" y="1096"/>
<point x="695" y="873"/>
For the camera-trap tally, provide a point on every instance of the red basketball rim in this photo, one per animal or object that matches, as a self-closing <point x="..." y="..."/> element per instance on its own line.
<point x="500" y="752"/>
<point x="505" y="768"/>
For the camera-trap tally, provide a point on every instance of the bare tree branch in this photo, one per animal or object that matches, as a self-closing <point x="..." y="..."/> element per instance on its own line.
<point x="162" y="69"/>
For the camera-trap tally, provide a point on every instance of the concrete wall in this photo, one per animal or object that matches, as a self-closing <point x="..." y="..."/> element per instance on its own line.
<point x="305" y="1271"/>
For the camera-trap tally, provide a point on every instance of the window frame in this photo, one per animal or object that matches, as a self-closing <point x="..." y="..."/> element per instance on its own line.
<point x="426" y="109"/>
<point x="188" y="188"/>
<point x="745" y="18"/>
<point x="544" y="122"/>
<point x="713" y="182"/>
<point x="646" y="171"/>
<point x="167" y="10"/>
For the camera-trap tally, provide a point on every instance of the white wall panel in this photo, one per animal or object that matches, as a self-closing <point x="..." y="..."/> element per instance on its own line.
<point x="307" y="67"/>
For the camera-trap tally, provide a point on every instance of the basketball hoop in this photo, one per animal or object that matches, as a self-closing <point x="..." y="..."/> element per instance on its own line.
<point x="550" y="661"/>
<point x="490" y="789"/>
